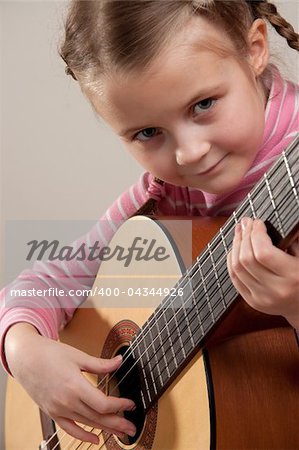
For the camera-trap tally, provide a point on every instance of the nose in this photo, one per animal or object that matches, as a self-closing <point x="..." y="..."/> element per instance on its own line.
<point x="191" y="150"/>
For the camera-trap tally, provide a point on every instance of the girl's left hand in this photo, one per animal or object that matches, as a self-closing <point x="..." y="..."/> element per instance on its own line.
<point x="266" y="277"/>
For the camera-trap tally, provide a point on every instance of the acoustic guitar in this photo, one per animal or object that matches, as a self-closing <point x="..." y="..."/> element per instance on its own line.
<point x="205" y="370"/>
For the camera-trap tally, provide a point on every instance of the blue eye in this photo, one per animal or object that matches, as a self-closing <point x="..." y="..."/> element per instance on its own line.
<point x="205" y="104"/>
<point x="147" y="134"/>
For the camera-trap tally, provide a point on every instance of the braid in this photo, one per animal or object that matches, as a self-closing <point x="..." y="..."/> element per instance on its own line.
<point x="269" y="11"/>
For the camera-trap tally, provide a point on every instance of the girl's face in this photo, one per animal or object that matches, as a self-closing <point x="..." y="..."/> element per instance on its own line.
<point x="195" y="118"/>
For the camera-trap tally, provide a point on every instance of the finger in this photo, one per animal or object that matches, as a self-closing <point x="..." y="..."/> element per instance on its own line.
<point x="98" y="401"/>
<point x="113" y="421"/>
<point x="97" y="425"/>
<point x="235" y="251"/>
<point x="238" y="271"/>
<point x="269" y="256"/>
<point x="76" y="431"/>
<point x="241" y="288"/>
<point x="250" y="271"/>
<point x="95" y="365"/>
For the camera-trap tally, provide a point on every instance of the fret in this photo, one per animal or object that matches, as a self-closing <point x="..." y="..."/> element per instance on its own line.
<point x="147" y="390"/>
<point x="226" y="281"/>
<point x="163" y="372"/>
<point x="172" y="362"/>
<point x="228" y="234"/>
<point x="279" y="189"/>
<point x="285" y="203"/>
<point x="168" y="358"/>
<point x="251" y="206"/>
<point x="188" y="336"/>
<point x="161" y="362"/>
<point x="258" y="198"/>
<point x="190" y="349"/>
<point x="216" y="275"/>
<point x="243" y="210"/>
<point x="182" y="336"/>
<point x="207" y="277"/>
<point x="235" y="217"/>
<point x="143" y="400"/>
<point x="216" y="247"/>
<point x="176" y="340"/>
<point x="281" y="230"/>
<point x="215" y="298"/>
<point x="137" y="354"/>
<point x="275" y="205"/>
<point x="143" y="361"/>
<point x="293" y="184"/>
<point x="207" y="298"/>
<point x="223" y="240"/>
<point x="153" y="362"/>
<point x="205" y="316"/>
<point x="164" y="331"/>
<point x="195" y="313"/>
<point x="187" y="332"/>
<point x="279" y="177"/>
<point x="178" y="318"/>
<point x="290" y="176"/>
<point x="149" y="344"/>
<point x="195" y="320"/>
<point x="163" y="339"/>
<point x="195" y="326"/>
<point x="290" y="217"/>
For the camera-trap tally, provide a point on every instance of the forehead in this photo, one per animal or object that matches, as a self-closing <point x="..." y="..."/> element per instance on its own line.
<point x="195" y="55"/>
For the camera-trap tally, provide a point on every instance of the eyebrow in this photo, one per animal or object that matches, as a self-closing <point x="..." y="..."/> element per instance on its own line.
<point x="204" y="93"/>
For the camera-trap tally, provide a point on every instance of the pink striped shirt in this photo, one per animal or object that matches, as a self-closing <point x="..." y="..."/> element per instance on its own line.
<point x="49" y="314"/>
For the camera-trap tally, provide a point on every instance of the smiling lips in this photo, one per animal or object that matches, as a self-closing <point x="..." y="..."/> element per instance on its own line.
<point x="205" y="172"/>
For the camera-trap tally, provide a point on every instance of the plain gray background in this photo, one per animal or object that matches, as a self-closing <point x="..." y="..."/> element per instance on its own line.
<point x="58" y="161"/>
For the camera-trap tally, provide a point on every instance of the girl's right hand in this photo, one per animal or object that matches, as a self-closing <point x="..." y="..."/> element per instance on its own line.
<point x="51" y="372"/>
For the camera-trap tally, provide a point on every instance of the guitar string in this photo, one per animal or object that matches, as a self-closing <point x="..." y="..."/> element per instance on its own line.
<point x="155" y="317"/>
<point x="132" y="347"/>
<point x="88" y="447"/>
<point x="91" y="444"/>
<point x="175" y="314"/>
<point x="216" y="305"/>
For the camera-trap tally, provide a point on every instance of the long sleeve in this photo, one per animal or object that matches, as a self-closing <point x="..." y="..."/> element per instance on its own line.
<point x="49" y="313"/>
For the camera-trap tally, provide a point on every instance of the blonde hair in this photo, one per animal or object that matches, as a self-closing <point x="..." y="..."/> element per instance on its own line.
<point x="120" y="36"/>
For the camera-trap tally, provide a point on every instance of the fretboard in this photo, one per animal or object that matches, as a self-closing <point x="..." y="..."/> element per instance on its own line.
<point x="179" y="326"/>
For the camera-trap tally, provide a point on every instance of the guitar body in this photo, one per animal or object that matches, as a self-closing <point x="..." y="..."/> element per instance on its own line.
<point x="241" y="392"/>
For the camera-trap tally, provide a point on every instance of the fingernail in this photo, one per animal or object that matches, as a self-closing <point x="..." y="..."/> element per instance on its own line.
<point x="244" y="223"/>
<point x="118" y="358"/>
<point x="131" y="432"/>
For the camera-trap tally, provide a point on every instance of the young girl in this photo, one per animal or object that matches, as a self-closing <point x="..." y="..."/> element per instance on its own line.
<point x="188" y="87"/>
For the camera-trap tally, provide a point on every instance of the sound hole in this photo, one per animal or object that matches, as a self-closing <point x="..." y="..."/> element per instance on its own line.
<point x="126" y="383"/>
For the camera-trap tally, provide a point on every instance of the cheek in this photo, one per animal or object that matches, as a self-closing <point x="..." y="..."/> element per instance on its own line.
<point x="242" y="127"/>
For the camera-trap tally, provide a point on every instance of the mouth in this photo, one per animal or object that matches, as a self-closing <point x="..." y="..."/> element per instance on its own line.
<point x="212" y="168"/>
